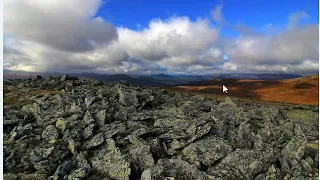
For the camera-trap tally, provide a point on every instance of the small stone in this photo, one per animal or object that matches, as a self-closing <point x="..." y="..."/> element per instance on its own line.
<point x="47" y="152"/>
<point x="33" y="176"/>
<point x="87" y="119"/>
<point x="61" y="124"/>
<point x="146" y="175"/>
<point x="141" y="158"/>
<point x="89" y="100"/>
<point x="306" y="166"/>
<point x="72" y="146"/>
<point x="88" y="131"/>
<point x="77" y="174"/>
<point x="83" y="163"/>
<point x="176" y="168"/>
<point x="191" y="131"/>
<point x="176" y="144"/>
<point x="101" y="117"/>
<point x="309" y="160"/>
<point x="316" y="159"/>
<point x="272" y="170"/>
<point x="63" y="169"/>
<point x="50" y="133"/>
<point x="12" y="177"/>
<point x="95" y="141"/>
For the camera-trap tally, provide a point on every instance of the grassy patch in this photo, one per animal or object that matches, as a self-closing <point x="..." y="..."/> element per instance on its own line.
<point x="14" y="102"/>
<point x="308" y="116"/>
<point x="20" y="97"/>
<point x="312" y="146"/>
<point x="47" y="92"/>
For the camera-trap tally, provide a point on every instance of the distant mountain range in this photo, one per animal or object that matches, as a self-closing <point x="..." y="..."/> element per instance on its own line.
<point x="159" y="80"/>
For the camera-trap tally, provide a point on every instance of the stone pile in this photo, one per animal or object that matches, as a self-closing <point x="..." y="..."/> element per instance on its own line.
<point x="99" y="131"/>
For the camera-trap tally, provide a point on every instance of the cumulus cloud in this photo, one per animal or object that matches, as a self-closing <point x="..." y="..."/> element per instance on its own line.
<point x="294" y="50"/>
<point x="291" y="46"/>
<point x="67" y="26"/>
<point x="177" y="36"/>
<point x="177" y="40"/>
<point x="49" y="37"/>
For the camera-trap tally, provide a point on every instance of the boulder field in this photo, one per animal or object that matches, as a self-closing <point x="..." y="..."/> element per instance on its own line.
<point x="71" y="129"/>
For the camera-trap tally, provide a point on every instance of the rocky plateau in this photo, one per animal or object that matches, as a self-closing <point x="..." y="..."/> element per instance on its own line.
<point x="72" y="129"/>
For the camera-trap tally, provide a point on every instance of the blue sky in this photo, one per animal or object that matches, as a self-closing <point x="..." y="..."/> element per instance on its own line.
<point x="254" y="13"/>
<point x="150" y="37"/>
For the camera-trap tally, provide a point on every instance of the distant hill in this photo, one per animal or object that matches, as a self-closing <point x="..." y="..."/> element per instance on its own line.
<point x="135" y="80"/>
<point x="255" y="76"/>
<point x="302" y="90"/>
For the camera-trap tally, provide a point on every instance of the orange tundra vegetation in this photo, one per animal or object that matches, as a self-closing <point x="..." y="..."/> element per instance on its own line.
<point x="304" y="90"/>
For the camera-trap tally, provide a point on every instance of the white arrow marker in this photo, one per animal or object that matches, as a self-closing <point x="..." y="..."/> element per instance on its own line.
<point x="224" y="89"/>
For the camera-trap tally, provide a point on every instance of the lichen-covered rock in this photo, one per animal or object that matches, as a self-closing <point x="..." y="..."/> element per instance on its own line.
<point x="77" y="174"/>
<point x="176" y="168"/>
<point x="243" y="164"/>
<point x="200" y="131"/>
<point x="101" y="117"/>
<point x="241" y="137"/>
<point x="63" y="170"/>
<point x="61" y="125"/>
<point x="89" y="100"/>
<point x="113" y="129"/>
<point x="88" y="132"/>
<point x="294" y="150"/>
<point x="175" y="123"/>
<point x="111" y="163"/>
<point x="207" y="150"/>
<point x="94" y="141"/>
<point x="127" y="97"/>
<point x="141" y="158"/>
<point x="146" y="175"/>
<point x="49" y="133"/>
<point x="88" y="119"/>
<point x="10" y="176"/>
<point x="173" y="135"/>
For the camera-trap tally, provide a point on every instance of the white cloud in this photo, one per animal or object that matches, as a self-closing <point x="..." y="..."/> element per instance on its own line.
<point x="229" y="66"/>
<point x="66" y="26"/>
<point x="176" y="40"/>
<point x="177" y="36"/>
<point x="291" y="46"/>
<point x="48" y="36"/>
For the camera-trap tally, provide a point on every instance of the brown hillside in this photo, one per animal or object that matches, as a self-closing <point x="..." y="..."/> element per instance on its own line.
<point x="304" y="90"/>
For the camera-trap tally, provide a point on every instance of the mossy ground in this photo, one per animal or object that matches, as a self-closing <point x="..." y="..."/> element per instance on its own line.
<point x="308" y="116"/>
<point x="20" y="97"/>
<point x="313" y="146"/>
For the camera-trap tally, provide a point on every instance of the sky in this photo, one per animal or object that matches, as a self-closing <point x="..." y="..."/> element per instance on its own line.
<point x="171" y="37"/>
